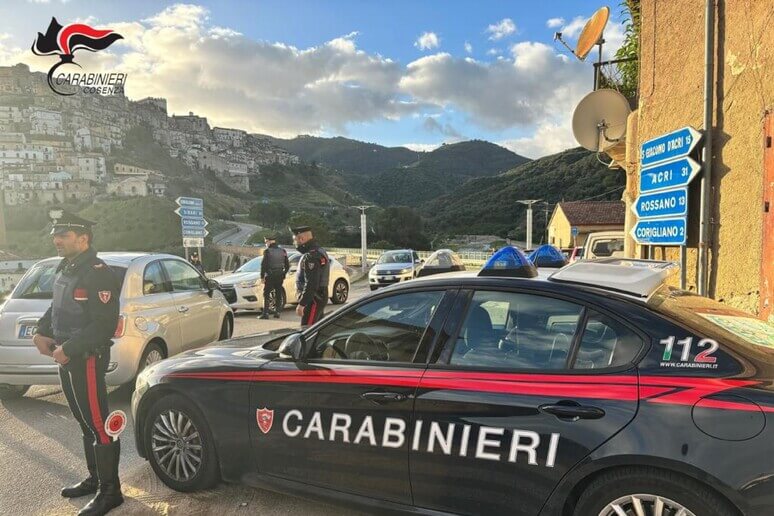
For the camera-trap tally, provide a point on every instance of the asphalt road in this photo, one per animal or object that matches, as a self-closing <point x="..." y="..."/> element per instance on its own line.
<point x="41" y="451"/>
<point x="239" y="238"/>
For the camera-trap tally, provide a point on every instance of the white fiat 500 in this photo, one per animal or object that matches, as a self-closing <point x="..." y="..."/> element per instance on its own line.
<point x="244" y="291"/>
<point x="166" y="307"/>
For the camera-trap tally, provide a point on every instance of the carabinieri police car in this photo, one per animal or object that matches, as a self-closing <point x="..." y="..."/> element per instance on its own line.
<point x="595" y="390"/>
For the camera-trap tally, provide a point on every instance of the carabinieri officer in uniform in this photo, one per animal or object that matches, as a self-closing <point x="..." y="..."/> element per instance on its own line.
<point x="316" y="267"/>
<point x="76" y="331"/>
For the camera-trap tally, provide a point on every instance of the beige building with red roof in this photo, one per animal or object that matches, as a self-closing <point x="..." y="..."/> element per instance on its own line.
<point x="571" y="222"/>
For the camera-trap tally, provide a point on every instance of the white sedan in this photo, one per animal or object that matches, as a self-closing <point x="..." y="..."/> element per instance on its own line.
<point x="244" y="291"/>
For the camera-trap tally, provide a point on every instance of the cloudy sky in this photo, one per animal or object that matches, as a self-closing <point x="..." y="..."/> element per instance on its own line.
<point x="414" y="73"/>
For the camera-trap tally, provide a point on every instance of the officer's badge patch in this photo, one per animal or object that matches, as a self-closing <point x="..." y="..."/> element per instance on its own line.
<point x="310" y="265"/>
<point x="104" y="296"/>
<point x="265" y="418"/>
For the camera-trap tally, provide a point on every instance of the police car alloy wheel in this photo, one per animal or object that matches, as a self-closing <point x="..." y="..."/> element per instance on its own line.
<point x="180" y="445"/>
<point x="639" y="491"/>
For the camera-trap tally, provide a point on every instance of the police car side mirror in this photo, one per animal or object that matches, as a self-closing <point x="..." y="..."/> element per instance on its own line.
<point x="293" y="346"/>
<point x="212" y="286"/>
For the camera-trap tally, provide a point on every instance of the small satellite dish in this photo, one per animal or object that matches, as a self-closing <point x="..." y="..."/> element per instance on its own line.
<point x="599" y="120"/>
<point x="592" y="32"/>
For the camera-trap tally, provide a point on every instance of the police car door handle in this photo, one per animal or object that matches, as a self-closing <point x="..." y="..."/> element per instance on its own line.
<point x="572" y="411"/>
<point x="383" y="397"/>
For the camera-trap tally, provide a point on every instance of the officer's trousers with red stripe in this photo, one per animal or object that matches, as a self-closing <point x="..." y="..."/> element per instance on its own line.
<point x="315" y="310"/>
<point x="83" y="383"/>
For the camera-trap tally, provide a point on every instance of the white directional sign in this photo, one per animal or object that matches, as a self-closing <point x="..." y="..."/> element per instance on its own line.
<point x="193" y="242"/>
<point x="192" y="222"/>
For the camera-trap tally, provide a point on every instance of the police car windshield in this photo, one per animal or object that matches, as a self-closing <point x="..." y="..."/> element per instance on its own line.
<point x="253" y="265"/>
<point x="716" y="320"/>
<point x="395" y="257"/>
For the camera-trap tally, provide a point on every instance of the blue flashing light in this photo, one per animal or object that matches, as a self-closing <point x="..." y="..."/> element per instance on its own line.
<point x="509" y="262"/>
<point x="547" y="256"/>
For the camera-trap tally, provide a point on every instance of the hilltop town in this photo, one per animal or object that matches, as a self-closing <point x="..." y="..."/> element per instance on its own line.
<point x="57" y="149"/>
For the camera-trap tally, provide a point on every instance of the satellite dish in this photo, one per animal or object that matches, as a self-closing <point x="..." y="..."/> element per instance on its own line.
<point x="592" y="32"/>
<point x="599" y="120"/>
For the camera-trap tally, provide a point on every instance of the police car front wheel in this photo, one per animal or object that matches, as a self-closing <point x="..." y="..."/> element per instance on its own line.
<point x="179" y="445"/>
<point x="649" y="492"/>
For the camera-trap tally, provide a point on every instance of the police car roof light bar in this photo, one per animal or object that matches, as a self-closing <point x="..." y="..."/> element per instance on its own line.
<point x="635" y="277"/>
<point x="547" y="256"/>
<point x="509" y="262"/>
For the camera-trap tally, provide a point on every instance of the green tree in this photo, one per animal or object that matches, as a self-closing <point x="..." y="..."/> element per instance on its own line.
<point x="630" y="70"/>
<point x="270" y="214"/>
<point x="319" y="227"/>
<point x="402" y="226"/>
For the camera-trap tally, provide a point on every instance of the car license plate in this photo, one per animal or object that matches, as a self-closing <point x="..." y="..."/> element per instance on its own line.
<point x="26" y="331"/>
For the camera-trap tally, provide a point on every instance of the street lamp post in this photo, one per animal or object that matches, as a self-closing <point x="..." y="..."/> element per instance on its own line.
<point x="363" y="237"/>
<point x="529" y="203"/>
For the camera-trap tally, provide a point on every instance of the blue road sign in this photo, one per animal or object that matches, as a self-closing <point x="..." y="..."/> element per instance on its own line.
<point x="193" y="223"/>
<point x="669" y="175"/>
<point x="669" y="203"/>
<point x="669" y="146"/>
<point x="195" y="232"/>
<point x="190" y="202"/>
<point x="660" y="231"/>
<point x="195" y="213"/>
<point x="574" y="231"/>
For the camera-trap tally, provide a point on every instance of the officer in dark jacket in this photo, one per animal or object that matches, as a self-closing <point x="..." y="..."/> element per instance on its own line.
<point x="316" y="267"/>
<point x="274" y="268"/>
<point x="76" y="331"/>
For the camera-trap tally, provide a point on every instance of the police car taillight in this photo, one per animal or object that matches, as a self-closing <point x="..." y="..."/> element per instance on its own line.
<point x="120" y="327"/>
<point x="509" y="262"/>
<point x="547" y="256"/>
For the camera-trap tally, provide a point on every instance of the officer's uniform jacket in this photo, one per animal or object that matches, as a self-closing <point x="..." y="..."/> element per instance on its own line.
<point x="275" y="261"/>
<point x="316" y="267"/>
<point x="84" y="312"/>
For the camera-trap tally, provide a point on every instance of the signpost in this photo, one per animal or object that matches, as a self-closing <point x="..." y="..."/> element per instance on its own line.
<point x="666" y="172"/>
<point x="192" y="223"/>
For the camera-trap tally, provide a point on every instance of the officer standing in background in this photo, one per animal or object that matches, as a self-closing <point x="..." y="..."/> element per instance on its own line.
<point x="76" y="332"/>
<point x="197" y="263"/>
<point x="274" y="268"/>
<point x="315" y="266"/>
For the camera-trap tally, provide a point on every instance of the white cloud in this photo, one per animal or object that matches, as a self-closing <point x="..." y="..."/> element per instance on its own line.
<point x="279" y="89"/>
<point x="468" y="48"/>
<point x="494" y="51"/>
<point x="552" y="23"/>
<point x="573" y="29"/>
<point x="422" y="147"/>
<point x="501" y="29"/>
<point x="427" y="41"/>
<point x="549" y="138"/>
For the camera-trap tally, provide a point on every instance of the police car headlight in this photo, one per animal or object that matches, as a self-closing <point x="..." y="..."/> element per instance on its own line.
<point x="405" y="271"/>
<point x="249" y="284"/>
<point x="372" y="272"/>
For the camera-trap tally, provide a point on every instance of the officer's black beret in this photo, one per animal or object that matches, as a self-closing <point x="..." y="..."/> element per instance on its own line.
<point x="63" y="221"/>
<point x="300" y="229"/>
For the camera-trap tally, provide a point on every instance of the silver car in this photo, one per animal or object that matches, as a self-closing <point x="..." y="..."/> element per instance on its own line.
<point x="166" y="307"/>
<point x="394" y="267"/>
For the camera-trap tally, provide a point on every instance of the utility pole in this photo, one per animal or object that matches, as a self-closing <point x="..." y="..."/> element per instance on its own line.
<point x="529" y="203"/>
<point x="363" y="237"/>
<point x="3" y="242"/>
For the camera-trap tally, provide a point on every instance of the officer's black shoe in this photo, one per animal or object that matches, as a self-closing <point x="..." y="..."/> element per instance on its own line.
<point x="264" y="315"/>
<point x="88" y="486"/>
<point x="109" y="494"/>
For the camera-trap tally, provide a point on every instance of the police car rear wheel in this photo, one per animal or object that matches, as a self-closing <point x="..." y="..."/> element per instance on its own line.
<point x="340" y="292"/>
<point x="180" y="446"/>
<point x="11" y="392"/>
<point x="649" y="492"/>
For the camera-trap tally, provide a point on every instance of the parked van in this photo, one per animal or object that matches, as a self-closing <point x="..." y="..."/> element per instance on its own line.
<point x="604" y="244"/>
